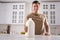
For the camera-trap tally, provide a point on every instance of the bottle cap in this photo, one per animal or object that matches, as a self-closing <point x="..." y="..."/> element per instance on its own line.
<point x="30" y="18"/>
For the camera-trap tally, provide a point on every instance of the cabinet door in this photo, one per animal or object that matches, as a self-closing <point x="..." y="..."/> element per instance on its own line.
<point x="12" y="13"/>
<point x="18" y="13"/>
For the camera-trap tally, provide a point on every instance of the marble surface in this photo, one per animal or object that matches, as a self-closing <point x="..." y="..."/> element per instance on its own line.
<point x="22" y="37"/>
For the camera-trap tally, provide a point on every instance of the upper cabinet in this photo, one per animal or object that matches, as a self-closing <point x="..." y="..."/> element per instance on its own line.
<point x="51" y="10"/>
<point x="12" y="13"/>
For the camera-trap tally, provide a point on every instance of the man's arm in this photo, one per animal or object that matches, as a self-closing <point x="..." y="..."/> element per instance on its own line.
<point x="47" y="27"/>
<point x="25" y="27"/>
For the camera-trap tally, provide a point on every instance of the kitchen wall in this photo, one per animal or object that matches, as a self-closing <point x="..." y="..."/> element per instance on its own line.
<point x="5" y="16"/>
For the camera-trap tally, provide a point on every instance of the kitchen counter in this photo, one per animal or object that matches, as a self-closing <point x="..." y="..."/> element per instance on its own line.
<point x="22" y="37"/>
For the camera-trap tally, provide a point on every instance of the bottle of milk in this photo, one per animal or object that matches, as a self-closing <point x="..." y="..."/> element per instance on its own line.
<point x="31" y="28"/>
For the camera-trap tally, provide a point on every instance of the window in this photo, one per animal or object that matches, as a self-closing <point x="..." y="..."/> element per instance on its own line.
<point x="46" y="13"/>
<point x="21" y="17"/>
<point x="15" y="7"/>
<point x="45" y="6"/>
<point x="14" y="16"/>
<point x="52" y="6"/>
<point x="21" y="6"/>
<point x="20" y="13"/>
<point x="52" y="17"/>
<point x="13" y="21"/>
<point x="20" y="21"/>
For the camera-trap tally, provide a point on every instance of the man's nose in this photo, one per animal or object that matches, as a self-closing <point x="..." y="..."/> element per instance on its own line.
<point x="36" y="7"/>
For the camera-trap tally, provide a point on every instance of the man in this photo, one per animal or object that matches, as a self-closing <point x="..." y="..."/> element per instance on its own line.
<point x="39" y="20"/>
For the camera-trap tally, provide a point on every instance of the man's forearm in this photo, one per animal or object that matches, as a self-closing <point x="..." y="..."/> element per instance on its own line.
<point x="47" y="29"/>
<point x="26" y="28"/>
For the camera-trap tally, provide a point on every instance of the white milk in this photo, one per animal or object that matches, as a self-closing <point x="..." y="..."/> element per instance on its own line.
<point x="31" y="28"/>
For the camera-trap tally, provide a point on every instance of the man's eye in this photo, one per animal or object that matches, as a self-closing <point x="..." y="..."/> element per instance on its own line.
<point x="35" y="6"/>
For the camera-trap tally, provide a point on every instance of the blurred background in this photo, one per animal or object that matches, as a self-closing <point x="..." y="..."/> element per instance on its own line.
<point x="13" y="14"/>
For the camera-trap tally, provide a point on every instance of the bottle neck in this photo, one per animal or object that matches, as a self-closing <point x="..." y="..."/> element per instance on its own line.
<point x="30" y="18"/>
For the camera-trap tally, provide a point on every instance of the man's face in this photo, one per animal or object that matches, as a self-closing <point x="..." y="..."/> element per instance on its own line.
<point x="35" y="7"/>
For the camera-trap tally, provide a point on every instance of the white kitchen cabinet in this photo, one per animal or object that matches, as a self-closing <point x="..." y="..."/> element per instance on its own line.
<point x="52" y="12"/>
<point x="12" y="13"/>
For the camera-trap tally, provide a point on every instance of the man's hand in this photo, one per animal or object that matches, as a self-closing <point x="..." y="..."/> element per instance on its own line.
<point x="25" y="28"/>
<point x="47" y="34"/>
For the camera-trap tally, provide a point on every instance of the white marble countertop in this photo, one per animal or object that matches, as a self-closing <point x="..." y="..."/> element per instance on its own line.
<point x="22" y="37"/>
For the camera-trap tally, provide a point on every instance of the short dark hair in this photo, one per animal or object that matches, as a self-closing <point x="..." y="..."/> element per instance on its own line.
<point x="34" y="2"/>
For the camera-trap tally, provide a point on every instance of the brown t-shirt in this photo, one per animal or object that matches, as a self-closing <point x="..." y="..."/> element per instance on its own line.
<point x="39" y="21"/>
